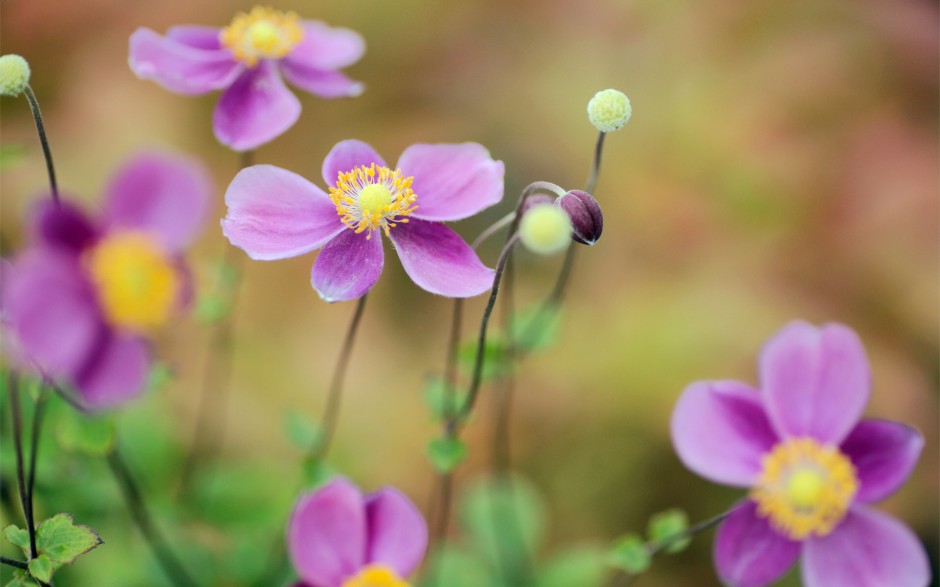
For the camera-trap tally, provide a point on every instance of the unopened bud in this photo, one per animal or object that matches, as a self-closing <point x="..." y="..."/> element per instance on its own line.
<point x="587" y="222"/>
<point x="545" y="229"/>
<point x="609" y="110"/>
<point x="14" y="75"/>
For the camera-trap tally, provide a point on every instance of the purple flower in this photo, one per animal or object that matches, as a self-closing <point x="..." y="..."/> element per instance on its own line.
<point x="811" y="465"/>
<point x="80" y="300"/>
<point x="339" y="538"/>
<point x="246" y="60"/>
<point x="274" y="214"/>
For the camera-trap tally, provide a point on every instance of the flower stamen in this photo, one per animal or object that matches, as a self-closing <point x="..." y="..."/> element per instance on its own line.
<point x="375" y="576"/>
<point x="263" y="33"/>
<point x="370" y="197"/>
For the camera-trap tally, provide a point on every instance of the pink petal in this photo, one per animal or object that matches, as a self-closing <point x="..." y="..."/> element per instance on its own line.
<point x="720" y="431"/>
<point x="62" y="226"/>
<point x="325" y="84"/>
<point x="748" y="552"/>
<point x="452" y="181"/>
<point x="274" y="214"/>
<point x="255" y="109"/>
<point x="439" y="261"/>
<point x="116" y="373"/>
<point x="815" y="381"/>
<point x="868" y="549"/>
<point x="348" y="266"/>
<point x="196" y="36"/>
<point x="884" y="454"/>
<point x="326" y="48"/>
<point x="326" y="536"/>
<point x="180" y="67"/>
<point x="398" y="534"/>
<point x="164" y="194"/>
<point x="346" y="156"/>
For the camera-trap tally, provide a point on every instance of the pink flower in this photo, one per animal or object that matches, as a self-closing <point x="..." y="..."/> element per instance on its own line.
<point x="339" y="538"/>
<point x="81" y="299"/>
<point x="246" y="60"/>
<point x="275" y="214"/>
<point x="811" y="465"/>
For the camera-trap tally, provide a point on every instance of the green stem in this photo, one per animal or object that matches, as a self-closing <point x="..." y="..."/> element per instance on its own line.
<point x="25" y="497"/>
<point x="47" y="153"/>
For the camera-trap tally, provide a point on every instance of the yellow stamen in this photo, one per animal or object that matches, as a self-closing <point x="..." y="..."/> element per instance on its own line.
<point x="136" y="282"/>
<point x="263" y="33"/>
<point x="375" y="576"/>
<point x="373" y="197"/>
<point x="805" y="488"/>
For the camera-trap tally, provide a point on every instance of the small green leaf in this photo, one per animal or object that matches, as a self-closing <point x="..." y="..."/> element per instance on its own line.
<point x="302" y="432"/>
<point x="496" y="359"/>
<point x="440" y="402"/>
<point x="211" y="309"/>
<point x="630" y="554"/>
<point x="159" y="377"/>
<point x="536" y="328"/>
<point x="17" y="537"/>
<point x="316" y="472"/>
<point x="10" y="155"/>
<point x="227" y="274"/>
<point x="665" y="526"/>
<point x="41" y="568"/>
<point x="61" y="540"/>
<point x="446" y="453"/>
<point x="84" y="433"/>
<point x="21" y="579"/>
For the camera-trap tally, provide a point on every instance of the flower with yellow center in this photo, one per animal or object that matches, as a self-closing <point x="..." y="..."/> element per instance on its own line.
<point x="375" y="576"/>
<point x="263" y="33"/>
<point x="371" y="197"/>
<point x="136" y="282"/>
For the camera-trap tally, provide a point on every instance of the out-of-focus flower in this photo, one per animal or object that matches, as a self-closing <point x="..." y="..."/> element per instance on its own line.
<point x="14" y="75"/>
<point x="82" y="298"/>
<point x="275" y="214"/>
<point x="587" y="221"/>
<point x="339" y="538"/>
<point x="545" y="229"/>
<point x="609" y="110"/>
<point x="811" y="465"/>
<point x="246" y="61"/>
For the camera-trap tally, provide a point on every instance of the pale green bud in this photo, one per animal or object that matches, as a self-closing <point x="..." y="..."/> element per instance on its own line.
<point x="545" y="229"/>
<point x="14" y="75"/>
<point x="609" y="110"/>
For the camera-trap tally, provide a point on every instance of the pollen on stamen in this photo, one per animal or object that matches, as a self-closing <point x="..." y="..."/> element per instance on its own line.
<point x="263" y="33"/>
<point x="373" y="197"/>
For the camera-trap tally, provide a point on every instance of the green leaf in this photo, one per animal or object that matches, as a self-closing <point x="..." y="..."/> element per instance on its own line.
<point x="159" y="377"/>
<point x="21" y="579"/>
<point x="665" y="526"/>
<point x="630" y="554"/>
<point x="211" y="309"/>
<point x="316" y="472"/>
<point x="446" y="453"/>
<point x="302" y="432"/>
<point x="439" y="401"/>
<point x="536" y="328"/>
<point x="17" y="537"/>
<point x="41" y="568"/>
<point x="450" y="566"/>
<point x="62" y="541"/>
<point x="83" y="433"/>
<point x="10" y="155"/>
<point x="584" y="567"/>
<point x="496" y="360"/>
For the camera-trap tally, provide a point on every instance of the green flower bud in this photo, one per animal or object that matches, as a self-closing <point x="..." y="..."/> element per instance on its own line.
<point x="545" y="229"/>
<point x="14" y="75"/>
<point x="609" y="110"/>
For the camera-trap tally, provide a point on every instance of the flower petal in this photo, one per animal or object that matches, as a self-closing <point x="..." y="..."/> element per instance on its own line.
<point x="439" y="261"/>
<point x="180" y="67"/>
<point x="452" y="181"/>
<point x="116" y="373"/>
<point x="324" y="47"/>
<point x="325" y="84"/>
<point x="348" y="266"/>
<point x="346" y="156"/>
<point x="196" y="36"/>
<point x="398" y="534"/>
<point x="868" y="549"/>
<point x="255" y="109"/>
<point x="884" y="454"/>
<point x="274" y="214"/>
<point x="815" y="381"/>
<point x="164" y="194"/>
<point x="720" y="431"/>
<point x="326" y="536"/>
<point x="748" y="552"/>
<point x="62" y="226"/>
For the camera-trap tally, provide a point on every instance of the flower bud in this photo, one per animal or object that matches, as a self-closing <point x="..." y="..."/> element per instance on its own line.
<point x="587" y="222"/>
<point x="545" y="229"/>
<point x="609" y="110"/>
<point x="14" y="75"/>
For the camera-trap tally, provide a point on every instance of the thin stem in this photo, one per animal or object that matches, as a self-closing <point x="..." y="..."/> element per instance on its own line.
<point x="493" y="229"/>
<point x="25" y="497"/>
<point x="135" y="503"/>
<point x="41" y="129"/>
<point x="591" y="182"/>
<point x="14" y="563"/>
<point x="38" y="412"/>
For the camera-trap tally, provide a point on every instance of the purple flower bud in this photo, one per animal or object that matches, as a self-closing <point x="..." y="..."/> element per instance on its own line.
<point x="587" y="221"/>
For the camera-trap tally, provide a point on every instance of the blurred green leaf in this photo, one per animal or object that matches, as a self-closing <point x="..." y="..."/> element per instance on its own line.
<point x="302" y="432"/>
<point x="316" y="472"/>
<point x="452" y="567"/>
<point x="159" y="377"/>
<point x="21" y="579"/>
<point x="17" y="537"/>
<point x="446" y="453"/>
<point x="496" y="360"/>
<point x="80" y="433"/>
<point x="62" y="541"/>
<point x="41" y="568"/>
<point x="630" y="554"/>
<point x="10" y="155"/>
<point x="584" y="567"/>
<point x="536" y="328"/>
<point x="211" y="309"/>
<point x="666" y="525"/>
<point x="437" y="399"/>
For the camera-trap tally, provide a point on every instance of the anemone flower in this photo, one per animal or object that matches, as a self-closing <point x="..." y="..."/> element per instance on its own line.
<point x="246" y="61"/>
<point x="811" y="465"/>
<point x="82" y="298"/>
<point x="274" y="214"/>
<point x="339" y="538"/>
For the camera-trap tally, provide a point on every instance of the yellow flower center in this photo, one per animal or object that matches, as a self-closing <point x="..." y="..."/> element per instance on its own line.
<point x="375" y="576"/>
<point x="373" y="197"/>
<point x="137" y="284"/>
<point x="263" y="33"/>
<point x="805" y="488"/>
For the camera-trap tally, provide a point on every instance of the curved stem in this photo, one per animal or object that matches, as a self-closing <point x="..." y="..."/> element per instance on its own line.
<point x="591" y="182"/>
<point x="493" y="229"/>
<point x="41" y="129"/>
<point x="25" y="496"/>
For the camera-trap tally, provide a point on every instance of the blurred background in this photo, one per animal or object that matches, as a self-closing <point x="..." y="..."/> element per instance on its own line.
<point x="781" y="163"/>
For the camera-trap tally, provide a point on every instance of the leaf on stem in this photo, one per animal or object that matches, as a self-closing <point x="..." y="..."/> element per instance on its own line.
<point x="536" y="328"/>
<point x="665" y="526"/>
<point x="62" y="541"/>
<point x="41" y="568"/>
<point x="84" y="434"/>
<point x="630" y="554"/>
<point x="437" y="398"/>
<point x="17" y="537"/>
<point x="301" y="431"/>
<point x="446" y="453"/>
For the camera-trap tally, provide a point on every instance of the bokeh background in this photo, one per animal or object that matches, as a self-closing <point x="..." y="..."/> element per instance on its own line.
<point x="781" y="163"/>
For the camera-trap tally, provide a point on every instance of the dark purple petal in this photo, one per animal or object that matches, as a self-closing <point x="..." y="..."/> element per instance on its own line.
<point x="348" y="266"/>
<point x="884" y="454"/>
<point x="325" y="84"/>
<point x="255" y="109"/>
<point x="868" y="549"/>
<point x="326" y="536"/>
<point x="452" y="181"/>
<point x="587" y="220"/>
<point x="325" y="48"/>
<point x="165" y="195"/>
<point x="180" y="67"/>
<point x="720" y="431"/>
<point x="62" y="226"/>
<point x="116" y="372"/>
<point x="815" y="381"/>
<point x="439" y="261"/>
<point x="748" y="552"/>
<point x="346" y="156"/>
<point x="196" y="36"/>
<point x="398" y="534"/>
<point x="274" y="214"/>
